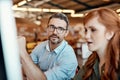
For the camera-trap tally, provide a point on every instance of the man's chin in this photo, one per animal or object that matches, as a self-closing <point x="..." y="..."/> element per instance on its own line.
<point x="55" y="42"/>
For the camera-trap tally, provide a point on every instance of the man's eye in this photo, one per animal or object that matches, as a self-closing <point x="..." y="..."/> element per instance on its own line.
<point x="51" y="26"/>
<point x="60" y="28"/>
<point x="93" y="30"/>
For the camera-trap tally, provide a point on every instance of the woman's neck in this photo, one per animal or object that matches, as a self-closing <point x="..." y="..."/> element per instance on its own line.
<point x="102" y="54"/>
<point x="102" y="58"/>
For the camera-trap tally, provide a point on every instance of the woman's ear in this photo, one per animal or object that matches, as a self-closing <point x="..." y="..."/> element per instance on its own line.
<point x="109" y="35"/>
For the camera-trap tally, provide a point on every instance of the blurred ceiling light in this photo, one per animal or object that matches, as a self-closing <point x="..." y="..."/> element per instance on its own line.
<point x="19" y="9"/>
<point x="72" y="12"/>
<point x="23" y="2"/>
<point x="77" y="15"/>
<point x="27" y="9"/>
<point x="45" y="10"/>
<point x="118" y="14"/>
<point x="34" y="9"/>
<point x="118" y="10"/>
<point x="68" y="11"/>
<point x="55" y="10"/>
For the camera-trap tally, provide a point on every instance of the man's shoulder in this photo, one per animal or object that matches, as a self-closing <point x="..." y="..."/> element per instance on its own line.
<point x="68" y="46"/>
<point x="43" y="43"/>
<point x="40" y="47"/>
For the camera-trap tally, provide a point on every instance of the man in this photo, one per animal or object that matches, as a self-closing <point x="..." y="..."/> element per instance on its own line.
<point x="55" y="58"/>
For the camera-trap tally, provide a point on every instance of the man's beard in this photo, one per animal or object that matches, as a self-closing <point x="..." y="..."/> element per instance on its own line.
<point x="54" y="42"/>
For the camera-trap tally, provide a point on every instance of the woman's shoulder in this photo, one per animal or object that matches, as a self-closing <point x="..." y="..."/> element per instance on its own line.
<point x="80" y="74"/>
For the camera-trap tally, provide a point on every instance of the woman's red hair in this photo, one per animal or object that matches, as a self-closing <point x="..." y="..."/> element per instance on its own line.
<point x="111" y="21"/>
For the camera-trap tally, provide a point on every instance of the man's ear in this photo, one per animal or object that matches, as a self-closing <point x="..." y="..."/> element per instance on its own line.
<point x="109" y="35"/>
<point x="67" y="32"/>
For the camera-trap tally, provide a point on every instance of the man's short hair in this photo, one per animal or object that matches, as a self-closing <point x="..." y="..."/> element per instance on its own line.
<point x="60" y="16"/>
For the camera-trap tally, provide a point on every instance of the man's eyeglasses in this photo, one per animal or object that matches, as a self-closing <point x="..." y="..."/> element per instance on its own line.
<point x="58" y="29"/>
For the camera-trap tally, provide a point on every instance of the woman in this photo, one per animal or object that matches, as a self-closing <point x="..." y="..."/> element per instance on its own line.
<point x="102" y="27"/>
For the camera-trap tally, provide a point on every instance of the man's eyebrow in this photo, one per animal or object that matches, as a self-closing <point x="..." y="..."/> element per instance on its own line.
<point x="51" y="24"/>
<point x="60" y="27"/>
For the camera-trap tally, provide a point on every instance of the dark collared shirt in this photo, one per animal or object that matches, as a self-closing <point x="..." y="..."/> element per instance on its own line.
<point x="95" y="75"/>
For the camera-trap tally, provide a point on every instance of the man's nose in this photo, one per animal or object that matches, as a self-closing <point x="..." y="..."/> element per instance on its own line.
<point x="55" y="31"/>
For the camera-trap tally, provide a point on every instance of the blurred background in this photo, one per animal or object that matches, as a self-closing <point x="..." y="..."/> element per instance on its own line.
<point x="31" y="17"/>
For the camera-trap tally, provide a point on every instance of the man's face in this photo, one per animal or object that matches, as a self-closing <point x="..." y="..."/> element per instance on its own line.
<point x="56" y="30"/>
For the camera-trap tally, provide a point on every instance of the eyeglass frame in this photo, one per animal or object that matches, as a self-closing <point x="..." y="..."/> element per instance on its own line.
<point x="53" y="27"/>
